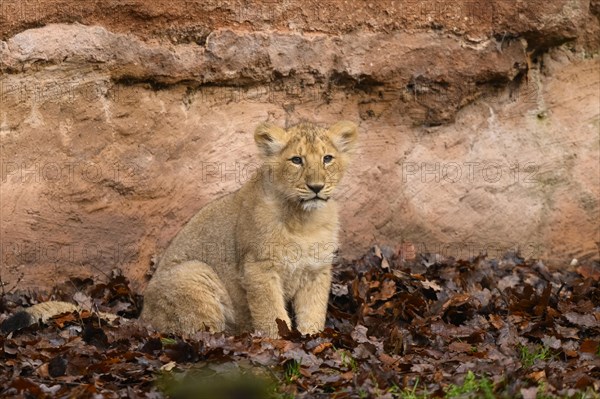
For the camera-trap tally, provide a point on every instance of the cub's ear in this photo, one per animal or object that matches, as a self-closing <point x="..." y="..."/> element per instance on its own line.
<point x="270" y="139"/>
<point x="343" y="135"/>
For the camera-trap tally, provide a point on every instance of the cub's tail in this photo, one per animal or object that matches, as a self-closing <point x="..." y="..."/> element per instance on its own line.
<point x="42" y="312"/>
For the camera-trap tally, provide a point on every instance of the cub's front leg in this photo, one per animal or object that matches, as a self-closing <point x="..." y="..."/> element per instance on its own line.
<point x="264" y="293"/>
<point x="310" y="302"/>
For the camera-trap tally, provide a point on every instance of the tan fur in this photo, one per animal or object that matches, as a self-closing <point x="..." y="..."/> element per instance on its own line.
<point x="42" y="312"/>
<point x="45" y="310"/>
<point x="239" y="261"/>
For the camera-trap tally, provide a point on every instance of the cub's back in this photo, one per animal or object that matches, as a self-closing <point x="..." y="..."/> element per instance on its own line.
<point x="208" y="236"/>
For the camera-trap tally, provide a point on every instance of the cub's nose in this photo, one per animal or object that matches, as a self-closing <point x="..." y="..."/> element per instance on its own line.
<point x="316" y="187"/>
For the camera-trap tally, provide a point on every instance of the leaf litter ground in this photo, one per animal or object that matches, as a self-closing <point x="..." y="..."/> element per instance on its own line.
<point x="395" y="329"/>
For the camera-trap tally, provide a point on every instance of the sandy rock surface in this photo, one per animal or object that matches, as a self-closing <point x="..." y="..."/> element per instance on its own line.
<point x="479" y="123"/>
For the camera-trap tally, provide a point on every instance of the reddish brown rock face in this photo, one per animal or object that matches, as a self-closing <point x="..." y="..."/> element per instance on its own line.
<point x="479" y="123"/>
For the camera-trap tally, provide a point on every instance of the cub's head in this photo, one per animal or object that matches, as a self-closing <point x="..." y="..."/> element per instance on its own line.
<point x="306" y="161"/>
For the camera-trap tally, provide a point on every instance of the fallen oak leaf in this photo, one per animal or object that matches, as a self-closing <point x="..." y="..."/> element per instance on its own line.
<point x="551" y="342"/>
<point x="589" y="271"/>
<point x="407" y="251"/>
<point x="63" y="319"/>
<point x="458" y="309"/>
<point x="543" y="301"/>
<point x="567" y="332"/>
<point x="168" y="366"/>
<point x="496" y="321"/>
<point x="42" y="371"/>
<point x="305" y="372"/>
<point x="510" y="281"/>
<point x="83" y="300"/>
<point x="52" y="390"/>
<point x="431" y="285"/>
<point x="411" y="306"/>
<point x="339" y="289"/>
<point x="458" y="346"/>
<point x="10" y="347"/>
<point x="584" y="382"/>
<point x="537" y="375"/>
<point x="385" y="264"/>
<point x="388" y="360"/>
<point x="529" y="393"/>
<point x="57" y="367"/>
<point x="348" y="375"/>
<point x="94" y="336"/>
<point x="285" y="332"/>
<point x="582" y="320"/>
<point x="388" y="290"/>
<point x="377" y="252"/>
<point x="321" y="347"/>
<point x="26" y="385"/>
<point x="456" y="300"/>
<point x="183" y="352"/>
<point x="589" y="346"/>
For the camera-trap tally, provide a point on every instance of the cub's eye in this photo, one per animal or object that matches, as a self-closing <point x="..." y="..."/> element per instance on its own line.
<point x="327" y="158"/>
<point x="296" y="160"/>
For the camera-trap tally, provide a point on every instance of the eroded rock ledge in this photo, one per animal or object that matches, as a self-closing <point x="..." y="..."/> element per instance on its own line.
<point x="455" y="73"/>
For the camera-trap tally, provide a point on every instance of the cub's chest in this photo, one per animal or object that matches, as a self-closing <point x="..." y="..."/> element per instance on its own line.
<point x="307" y="251"/>
<point x="304" y="257"/>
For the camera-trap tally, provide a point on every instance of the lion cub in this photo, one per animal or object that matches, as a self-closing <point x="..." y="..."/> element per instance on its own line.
<point x="241" y="259"/>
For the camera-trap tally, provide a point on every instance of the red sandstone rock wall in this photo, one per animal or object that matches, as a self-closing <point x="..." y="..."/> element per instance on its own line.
<point x="118" y="120"/>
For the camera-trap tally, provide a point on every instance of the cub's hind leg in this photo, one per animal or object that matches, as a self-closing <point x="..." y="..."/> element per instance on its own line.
<point x="187" y="298"/>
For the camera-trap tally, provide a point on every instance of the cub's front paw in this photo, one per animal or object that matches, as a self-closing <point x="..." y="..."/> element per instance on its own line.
<point x="271" y="330"/>
<point x="310" y="328"/>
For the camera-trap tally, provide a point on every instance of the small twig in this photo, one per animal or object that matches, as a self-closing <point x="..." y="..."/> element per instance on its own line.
<point x="499" y="47"/>
<point x="559" y="290"/>
<point x="96" y="268"/>
<point x="2" y="284"/>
